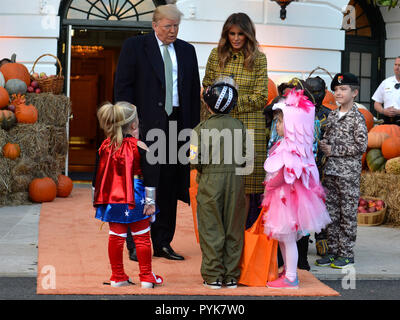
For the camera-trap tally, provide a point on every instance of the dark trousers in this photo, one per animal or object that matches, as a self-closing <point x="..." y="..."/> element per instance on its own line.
<point x="163" y="229"/>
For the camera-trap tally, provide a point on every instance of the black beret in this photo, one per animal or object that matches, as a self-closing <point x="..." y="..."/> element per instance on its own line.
<point x="344" y="79"/>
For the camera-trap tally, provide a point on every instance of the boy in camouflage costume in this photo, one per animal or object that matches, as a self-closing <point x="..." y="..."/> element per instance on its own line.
<point x="344" y="142"/>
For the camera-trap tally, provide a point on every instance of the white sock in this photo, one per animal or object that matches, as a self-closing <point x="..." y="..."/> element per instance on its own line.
<point x="291" y="257"/>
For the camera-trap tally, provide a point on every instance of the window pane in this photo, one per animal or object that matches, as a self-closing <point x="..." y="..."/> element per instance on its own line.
<point x="366" y="64"/>
<point x="365" y="89"/>
<point x="355" y="63"/>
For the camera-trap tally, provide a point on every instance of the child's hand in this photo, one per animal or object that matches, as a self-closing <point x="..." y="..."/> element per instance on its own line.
<point x="149" y="209"/>
<point x="326" y="148"/>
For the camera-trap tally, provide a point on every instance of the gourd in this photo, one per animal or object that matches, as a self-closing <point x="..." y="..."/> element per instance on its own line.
<point x="391" y="148"/>
<point x="26" y="113"/>
<point x="15" y="86"/>
<point x="64" y="186"/>
<point x="11" y="151"/>
<point x="42" y="190"/>
<point x="375" y="160"/>
<point x="393" y="166"/>
<point x="369" y="118"/>
<point x="375" y="139"/>
<point x="15" y="70"/>
<point x="4" y="98"/>
<point x="7" y="119"/>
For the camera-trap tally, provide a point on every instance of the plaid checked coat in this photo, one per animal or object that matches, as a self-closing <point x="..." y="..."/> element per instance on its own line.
<point x="253" y="94"/>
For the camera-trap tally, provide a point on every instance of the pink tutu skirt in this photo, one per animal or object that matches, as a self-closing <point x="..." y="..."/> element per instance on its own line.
<point x="293" y="211"/>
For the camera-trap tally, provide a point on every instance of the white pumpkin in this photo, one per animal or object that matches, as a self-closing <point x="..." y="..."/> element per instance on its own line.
<point x="2" y="80"/>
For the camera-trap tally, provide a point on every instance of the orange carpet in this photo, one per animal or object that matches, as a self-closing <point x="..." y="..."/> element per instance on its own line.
<point x="72" y="257"/>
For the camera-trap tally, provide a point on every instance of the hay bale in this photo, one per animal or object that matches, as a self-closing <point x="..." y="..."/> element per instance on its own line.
<point x="44" y="146"/>
<point x="386" y="187"/>
<point x="52" y="109"/>
<point x="3" y="139"/>
<point x="33" y="139"/>
<point x="22" y="173"/>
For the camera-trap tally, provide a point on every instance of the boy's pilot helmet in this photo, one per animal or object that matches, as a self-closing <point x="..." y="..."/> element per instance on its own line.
<point x="222" y="96"/>
<point x="318" y="89"/>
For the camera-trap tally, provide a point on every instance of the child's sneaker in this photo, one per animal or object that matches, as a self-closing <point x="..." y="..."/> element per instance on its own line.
<point x="231" y="284"/>
<point x="325" y="261"/>
<point x="283" y="283"/>
<point x="213" y="285"/>
<point x="342" y="262"/>
<point x="157" y="280"/>
<point x="117" y="284"/>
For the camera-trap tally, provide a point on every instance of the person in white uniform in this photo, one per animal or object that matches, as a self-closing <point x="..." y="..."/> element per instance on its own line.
<point x="387" y="97"/>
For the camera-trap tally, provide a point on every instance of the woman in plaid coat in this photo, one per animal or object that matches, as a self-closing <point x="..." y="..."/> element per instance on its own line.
<point x="238" y="56"/>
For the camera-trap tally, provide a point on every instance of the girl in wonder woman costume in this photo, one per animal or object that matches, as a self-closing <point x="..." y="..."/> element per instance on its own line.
<point x="124" y="192"/>
<point x="293" y="196"/>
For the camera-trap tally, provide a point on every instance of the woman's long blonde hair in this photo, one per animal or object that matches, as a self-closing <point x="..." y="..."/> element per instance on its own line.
<point x="116" y="120"/>
<point x="250" y="48"/>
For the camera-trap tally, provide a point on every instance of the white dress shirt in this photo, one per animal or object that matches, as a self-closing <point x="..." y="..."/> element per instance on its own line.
<point x="387" y="94"/>
<point x="172" y="53"/>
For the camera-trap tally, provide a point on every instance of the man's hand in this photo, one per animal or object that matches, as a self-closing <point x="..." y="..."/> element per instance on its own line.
<point x="390" y="112"/>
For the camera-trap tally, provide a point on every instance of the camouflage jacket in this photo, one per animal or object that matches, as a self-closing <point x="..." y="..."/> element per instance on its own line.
<point x="348" y="137"/>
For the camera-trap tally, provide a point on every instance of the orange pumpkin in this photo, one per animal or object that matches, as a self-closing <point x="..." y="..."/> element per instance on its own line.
<point x="64" y="186"/>
<point x="14" y="70"/>
<point x="392" y="130"/>
<point x="42" y="190"/>
<point x="26" y="113"/>
<point x="329" y="100"/>
<point x="11" y="151"/>
<point x="369" y="118"/>
<point x="272" y="91"/>
<point x="391" y="148"/>
<point x="375" y="139"/>
<point x="4" y="98"/>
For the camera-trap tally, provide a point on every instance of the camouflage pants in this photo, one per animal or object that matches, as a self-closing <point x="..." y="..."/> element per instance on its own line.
<point x="342" y="195"/>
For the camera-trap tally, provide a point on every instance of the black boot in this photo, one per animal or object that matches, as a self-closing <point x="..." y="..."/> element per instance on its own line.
<point x="302" y="248"/>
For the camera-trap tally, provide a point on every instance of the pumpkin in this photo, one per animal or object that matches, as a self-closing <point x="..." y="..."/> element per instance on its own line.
<point x="363" y="162"/>
<point x="42" y="190"/>
<point x="14" y="70"/>
<point x="4" y="98"/>
<point x="26" y="113"/>
<point x="329" y="100"/>
<point x="11" y="151"/>
<point x="393" y="166"/>
<point x="375" y="139"/>
<point x="369" y="118"/>
<point x="15" y="86"/>
<point x="392" y="130"/>
<point x="375" y="160"/>
<point x="64" y="186"/>
<point x="2" y="80"/>
<point x="272" y="91"/>
<point x="7" y="119"/>
<point x="391" y="147"/>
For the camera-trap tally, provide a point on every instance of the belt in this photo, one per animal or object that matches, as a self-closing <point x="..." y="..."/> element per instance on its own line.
<point x="138" y="176"/>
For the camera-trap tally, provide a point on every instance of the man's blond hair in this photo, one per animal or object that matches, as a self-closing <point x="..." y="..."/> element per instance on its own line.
<point x="168" y="11"/>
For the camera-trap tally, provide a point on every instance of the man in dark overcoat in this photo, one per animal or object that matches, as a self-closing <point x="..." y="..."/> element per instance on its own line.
<point x="158" y="73"/>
